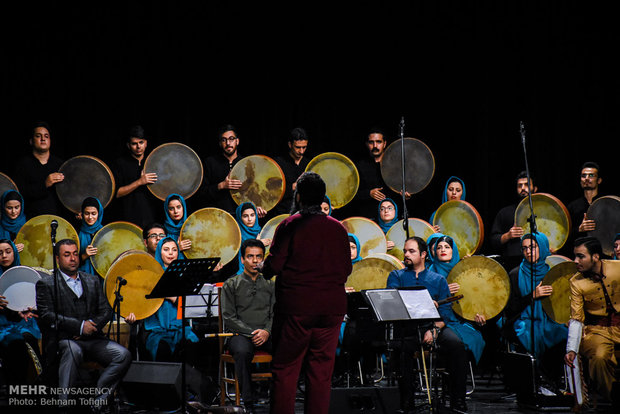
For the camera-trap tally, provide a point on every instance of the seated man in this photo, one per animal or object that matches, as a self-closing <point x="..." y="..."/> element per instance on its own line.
<point x="247" y="310"/>
<point x="82" y="312"/>
<point x="450" y="344"/>
<point x="594" y="315"/>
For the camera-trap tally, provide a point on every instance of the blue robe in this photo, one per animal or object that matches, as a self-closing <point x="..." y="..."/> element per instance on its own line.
<point x="86" y="238"/>
<point x="10" y="227"/>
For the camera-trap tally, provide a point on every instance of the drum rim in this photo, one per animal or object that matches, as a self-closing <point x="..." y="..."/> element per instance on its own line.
<point x="274" y="163"/>
<point x="429" y="151"/>
<point x="525" y="204"/>
<point x="177" y="144"/>
<point x="189" y="256"/>
<point x="50" y="217"/>
<point x="260" y="234"/>
<point x="372" y="257"/>
<point x="478" y="218"/>
<point x="99" y="232"/>
<point x="608" y="246"/>
<point x="10" y="181"/>
<point x="104" y="165"/>
<point x="546" y="301"/>
<point x="333" y="155"/>
<point x="13" y="270"/>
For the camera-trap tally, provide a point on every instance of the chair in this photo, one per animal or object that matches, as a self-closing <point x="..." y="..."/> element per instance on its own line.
<point x="260" y="357"/>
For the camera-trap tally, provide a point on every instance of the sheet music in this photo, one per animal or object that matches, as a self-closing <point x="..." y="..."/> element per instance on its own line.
<point x="196" y="306"/>
<point x="419" y="304"/>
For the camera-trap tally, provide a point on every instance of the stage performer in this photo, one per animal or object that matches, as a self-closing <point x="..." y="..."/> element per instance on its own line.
<point x="311" y="257"/>
<point x="293" y="164"/>
<point x="92" y="215"/>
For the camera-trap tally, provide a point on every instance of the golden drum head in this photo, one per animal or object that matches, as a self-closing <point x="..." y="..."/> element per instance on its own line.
<point x="214" y="233"/>
<point x="6" y="184"/>
<point x="485" y="287"/>
<point x="142" y="273"/>
<point x="552" y="218"/>
<point x="262" y="181"/>
<point x="461" y="221"/>
<point x="554" y="259"/>
<point x="371" y="237"/>
<point x="269" y="228"/>
<point x="112" y="240"/>
<point x="396" y="233"/>
<point x="85" y="176"/>
<point x="341" y="177"/>
<point x="419" y="167"/>
<point x="605" y="211"/>
<point x="36" y="235"/>
<point x="372" y="272"/>
<point x="557" y="306"/>
<point x="178" y="169"/>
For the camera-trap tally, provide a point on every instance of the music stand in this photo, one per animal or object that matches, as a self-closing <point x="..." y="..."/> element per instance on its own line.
<point x="182" y="278"/>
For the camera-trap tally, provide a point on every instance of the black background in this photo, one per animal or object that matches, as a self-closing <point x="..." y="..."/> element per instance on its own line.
<point x="462" y="74"/>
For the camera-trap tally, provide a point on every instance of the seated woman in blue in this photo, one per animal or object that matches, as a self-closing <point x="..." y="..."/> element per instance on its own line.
<point x="549" y="336"/>
<point x="163" y="328"/>
<point x="18" y="330"/>
<point x="246" y="215"/>
<point x="175" y="211"/>
<point x="387" y="216"/>
<point x="92" y="215"/>
<point x="12" y="216"/>
<point x="444" y="255"/>
<point x="354" y="244"/>
<point x="326" y="206"/>
<point x="454" y="190"/>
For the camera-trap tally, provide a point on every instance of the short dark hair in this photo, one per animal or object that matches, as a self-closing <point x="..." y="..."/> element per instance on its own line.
<point x="297" y="134"/>
<point x="375" y="130"/>
<point x="63" y="242"/>
<point x="311" y="189"/>
<point x="591" y="164"/>
<point x="522" y="175"/>
<point x="592" y="244"/>
<point x="39" y="124"/>
<point x="136" y="131"/>
<point x="251" y="243"/>
<point x="421" y="243"/>
<point x="224" y="128"/>
<point x="145" y="231"/>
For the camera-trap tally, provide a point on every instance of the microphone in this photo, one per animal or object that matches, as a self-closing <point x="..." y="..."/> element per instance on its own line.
<point x="402" y="126"/>
<point x="54" y="226"/>
<point x="121" y="281"/>
<point x="522" y="129"/>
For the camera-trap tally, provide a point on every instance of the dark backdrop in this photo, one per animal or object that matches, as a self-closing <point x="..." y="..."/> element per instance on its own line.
<point x="462" y="74"/>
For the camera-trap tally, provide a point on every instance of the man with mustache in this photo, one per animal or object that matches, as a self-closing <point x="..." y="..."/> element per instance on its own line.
<point x="589" y="181"/>
<point x="293" y="164"/>
<point x="505" y="235"/>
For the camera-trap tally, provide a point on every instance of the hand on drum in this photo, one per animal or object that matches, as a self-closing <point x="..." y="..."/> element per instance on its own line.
<point x="390" y="244"/>
<point x="131" y="318"/>
<point x="515" y="232"/>
<point x="480" y="319"/>
<point x="377" y="194"/>
<point x="436" y="229"/>
<point x="54" y="178"/>
<point x="259" y="337"/>
<point x="587" y="225"/>
<point x="349" y="289"/>
<point x="91" y="250"/>
<point x="261" y="212"/>
<point x="266" y="242"/>
<point x="454" y="287"/>
<point x="3" y="302"/>
<point x="407" y="194"/>
<point x="20" y="247"/>
<point x="218" y="267"/>
<point x="185" y="244"/>
<point x="543" y="290"/>
<point x="28" y="314"/>
<point x="229" y="184"/>
<point x="148" y="178"/>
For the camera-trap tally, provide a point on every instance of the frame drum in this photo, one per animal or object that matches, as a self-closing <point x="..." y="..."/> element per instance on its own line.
<point x="36" y="235"/>
<point x="554" y="259"/>
<point x="605" y="211"/>
<point x="178" y="169"/>
<point x="371" y="237"/>
<point x="112" y="240"/>
<point x="557" y="306"/>
<point x="417" y="227"/>
<point x="372" y="272"/>
<point x="262" y="179"/>
<point x="419" y="170"/>
<point x="142" y="272"/>
<point x="461" y="221"/>
<point x="342" y="180"/>
<point x="85" y="176"/>
<point x="6" y="184"/>
<point x="552" y="218"/>
<point x="213" y="232"/>
<point x="485" y="287"/>
<point x="269" y="229"/>
<point x="18" y="286"/>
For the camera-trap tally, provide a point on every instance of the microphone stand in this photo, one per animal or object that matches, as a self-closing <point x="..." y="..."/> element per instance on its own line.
<point x="116" y="307"/>
<point x="533" y="230"/>
<point x="404" y="187"/>
<point x="53" y="226"/>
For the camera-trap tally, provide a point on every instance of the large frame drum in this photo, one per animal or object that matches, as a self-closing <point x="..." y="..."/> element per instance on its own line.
<point x="36" y="236"/>
<point x="552" y="218"/>
<point x="371" y="237"/>
<point x="605" y="211"/>
<point x="262" y="181"/>
<point x="112" y="240"/>
<point x="178" y="168"/>
<point x="419" y="165"/>
<point x="342" y="180"/>
<point x="461" y="221"/>
<point x="85" y="176"/>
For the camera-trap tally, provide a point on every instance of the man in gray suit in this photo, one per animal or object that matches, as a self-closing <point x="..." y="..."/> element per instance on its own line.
<point x="81" y="310"/>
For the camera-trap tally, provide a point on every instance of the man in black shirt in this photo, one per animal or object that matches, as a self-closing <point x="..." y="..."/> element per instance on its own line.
<point x="36" y="173"/>
<point x="590" y="181"/>
<point x="137" y="203"/>
<point x="293" y="164"/>
<point x="505" y="235"/>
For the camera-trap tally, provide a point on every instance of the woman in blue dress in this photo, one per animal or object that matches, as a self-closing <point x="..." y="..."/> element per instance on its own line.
<point x="12" y="216"/>
<point x="92" y="215"/>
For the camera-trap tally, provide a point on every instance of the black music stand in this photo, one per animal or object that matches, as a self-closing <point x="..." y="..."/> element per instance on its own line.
<point x="182" y="278"/>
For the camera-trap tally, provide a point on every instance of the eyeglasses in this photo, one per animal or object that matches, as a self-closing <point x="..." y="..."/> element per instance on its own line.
<point x="389" y="208"/>
<point x="530" y="247"/>
<point x="156" y="236"/>
<point x="228" y="140"/>
<point x="588" y="175"/>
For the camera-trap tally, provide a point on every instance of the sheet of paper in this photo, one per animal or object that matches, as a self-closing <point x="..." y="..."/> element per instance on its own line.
<point x="419" y="304"/>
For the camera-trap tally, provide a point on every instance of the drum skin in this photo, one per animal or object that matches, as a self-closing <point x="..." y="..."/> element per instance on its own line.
<point x="6" y="184"/>
<point x="461" y="221"/>
<point x="605" y="211"/>
<point x="85" y="176"/>
<point x="214" y="233"/>
<point x="112" y="240"/>
<point x="142" y="272"/>
<point x="178" y="168"/>
<point x="262" y="179"/>
<point x="372" y="272"/>
<point x="36" y="234"/>
<point x="342" y="180"/>
<point x="269" y="228"/>
<point x="552" y="218"/>
<point x="484" y="284"/>
<point x="18" y="286"/>
<point x="371" y="237"/>
<point x="557" y="305"/>
<point x="417" y="227"/>
<point x="419" y="165"/>
<point x="554" y="259"/>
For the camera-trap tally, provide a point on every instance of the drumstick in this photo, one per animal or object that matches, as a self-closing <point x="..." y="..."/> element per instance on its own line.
<point x="449" y="299"/>
<point x="220" y="335"/>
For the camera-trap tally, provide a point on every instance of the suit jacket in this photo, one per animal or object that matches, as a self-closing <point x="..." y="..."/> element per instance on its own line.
<point x="587" y="296"/>
<point x="72" y="311"/>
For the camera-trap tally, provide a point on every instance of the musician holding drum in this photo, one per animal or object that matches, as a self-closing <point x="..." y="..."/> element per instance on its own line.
<point x="175" y="210"/>
<point x="590" y="180"/>
<point x="454" y="190"/>
<point x="293" y="164"/>
<point x="387" y="216"/>
<point x="92" y="216"/>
